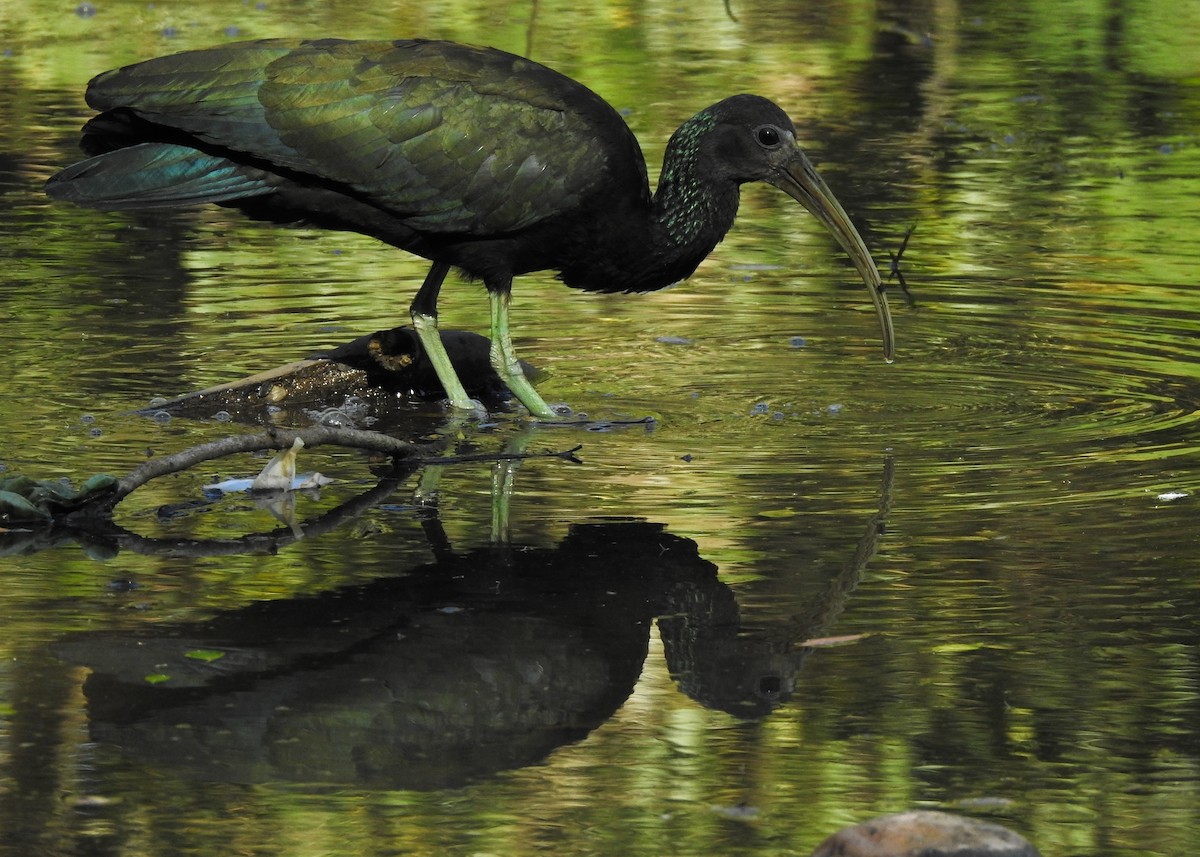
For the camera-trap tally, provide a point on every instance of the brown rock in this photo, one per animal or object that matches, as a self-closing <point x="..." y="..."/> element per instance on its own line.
<point x="925" y="834"/>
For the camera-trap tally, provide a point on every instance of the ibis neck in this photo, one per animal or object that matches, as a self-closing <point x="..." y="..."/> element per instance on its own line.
<point x="693" y="202"/>
<point x="663" y="238"/>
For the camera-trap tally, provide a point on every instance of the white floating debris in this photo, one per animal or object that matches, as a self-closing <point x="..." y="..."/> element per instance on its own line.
<point x="301" y="482"/>
<point x="304" y="481"/>
<point x="1168" y="496"/>
<point x="280" y="472"/>
<point x="279" y="475"/>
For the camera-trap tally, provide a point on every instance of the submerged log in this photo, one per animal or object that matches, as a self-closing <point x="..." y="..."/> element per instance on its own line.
<point x="389" y="363"/>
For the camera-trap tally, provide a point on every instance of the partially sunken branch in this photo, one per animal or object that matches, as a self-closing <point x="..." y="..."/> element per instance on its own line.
<point x="102" y="503"/>
<point x="270" y="439"/>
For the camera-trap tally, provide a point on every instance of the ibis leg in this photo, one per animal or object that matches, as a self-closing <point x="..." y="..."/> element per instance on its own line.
<point x="505" y="362"/>
<point x="424" y="319"/>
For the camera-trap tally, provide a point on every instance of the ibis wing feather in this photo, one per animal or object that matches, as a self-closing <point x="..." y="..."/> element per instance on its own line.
<point x="211" y="95"/>
<point x="156" y="175"/>
<point x="448" y="138"/>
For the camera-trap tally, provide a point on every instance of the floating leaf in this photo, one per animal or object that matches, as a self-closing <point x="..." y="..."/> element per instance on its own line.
<point x="779" y="513"/>
<point x="24" y="499"/>
<point x="206" y="655"/>
<point x="14" y="507"/>
<point x="17" y="484"/>
<point x="52" y="491"/>
<point x="956" y="648"/>
<point x="157" y="678"/>
<point x="96" y="484"/>
<point x="829" y="642"/>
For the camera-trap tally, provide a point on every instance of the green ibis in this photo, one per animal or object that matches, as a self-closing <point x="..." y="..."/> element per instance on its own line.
<point x="473" y="158"/>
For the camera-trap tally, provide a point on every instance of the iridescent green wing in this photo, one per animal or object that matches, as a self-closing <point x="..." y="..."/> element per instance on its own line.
<point x="447" y="137"/>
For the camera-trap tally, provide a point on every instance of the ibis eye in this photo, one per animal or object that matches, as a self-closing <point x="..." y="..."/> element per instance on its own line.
<point x="768" y="136"/>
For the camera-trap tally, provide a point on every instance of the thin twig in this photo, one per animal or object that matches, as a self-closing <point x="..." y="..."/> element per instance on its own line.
<point x="566" y="455"/>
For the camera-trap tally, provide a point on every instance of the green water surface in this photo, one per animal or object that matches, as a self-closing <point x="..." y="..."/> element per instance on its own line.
<point x="1005" y="519"/>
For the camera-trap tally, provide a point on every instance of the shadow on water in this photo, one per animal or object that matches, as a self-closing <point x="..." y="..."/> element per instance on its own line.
<point x="451" y="671"/>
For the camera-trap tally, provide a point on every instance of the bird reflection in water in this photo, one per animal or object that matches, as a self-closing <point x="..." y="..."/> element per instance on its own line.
<point x="476" y="663"/>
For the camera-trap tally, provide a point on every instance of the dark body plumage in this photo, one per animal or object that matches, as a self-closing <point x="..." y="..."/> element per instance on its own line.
<point x="471" y="157"/>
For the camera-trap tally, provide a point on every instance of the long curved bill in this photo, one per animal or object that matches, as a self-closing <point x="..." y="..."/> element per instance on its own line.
<point x="798" y="178"/>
